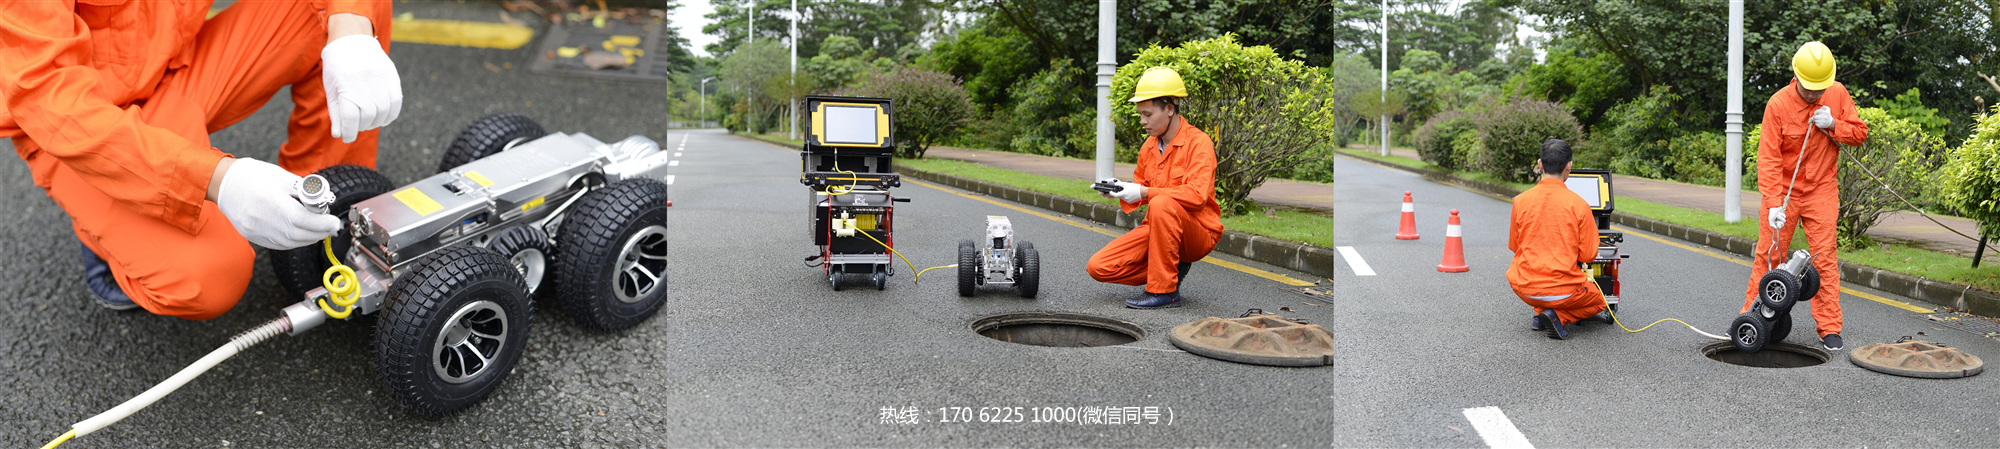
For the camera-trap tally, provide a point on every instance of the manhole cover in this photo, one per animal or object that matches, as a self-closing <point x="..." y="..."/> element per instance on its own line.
<point x="1774" y="355"/>
<point x="1058" y="329"/>
<point x="1257" y="339"/>
<point x="1917" y="358"/>
<point x="567" y="45"/>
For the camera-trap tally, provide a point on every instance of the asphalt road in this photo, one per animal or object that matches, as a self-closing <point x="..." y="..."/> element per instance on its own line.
<point x="752" y="350"/>
<point x="1420" y="347"/>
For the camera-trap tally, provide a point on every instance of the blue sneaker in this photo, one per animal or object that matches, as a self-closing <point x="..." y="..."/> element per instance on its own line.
<point x="97" y="275"/>
<point x="1556" y="328"/>
<point x="1536" y="322"/>
<point x="1155" y="301"/>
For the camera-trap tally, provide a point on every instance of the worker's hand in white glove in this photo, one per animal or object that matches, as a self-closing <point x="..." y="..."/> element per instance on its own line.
<point x="1823" y="118"/>
<point x="363" y="91"/>
<point x="1132" y="193"/>
<point x="1776" y="216"/>
<point x="256" y="198"/>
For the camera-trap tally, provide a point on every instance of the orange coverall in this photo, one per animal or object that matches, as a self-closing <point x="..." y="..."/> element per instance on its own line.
<point x="1550" y="232"/>
<point x="110" y="103"/>
<point x="1183" y="221"/>
<point x="1815" y="198"/>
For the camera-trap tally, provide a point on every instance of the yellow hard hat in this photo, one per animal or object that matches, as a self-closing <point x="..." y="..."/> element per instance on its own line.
<point x="1159" y="82"/>
<point x="1814" y="66"/>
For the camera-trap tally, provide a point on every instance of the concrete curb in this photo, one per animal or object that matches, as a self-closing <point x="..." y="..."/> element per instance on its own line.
<point x="1299" y="256"/>
<point x="1956" y="296"/>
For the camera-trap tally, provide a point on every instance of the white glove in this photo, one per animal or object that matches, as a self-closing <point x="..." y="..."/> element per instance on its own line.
<point x="363" y="91"/>
<point x="1776" y="216"/>
<point x="256" y="198"/>
<point x="1823" y="117"/>
<point x="1132" y="194"/>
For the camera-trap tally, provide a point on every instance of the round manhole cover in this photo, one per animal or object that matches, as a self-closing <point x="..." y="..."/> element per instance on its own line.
<point x="1058" y="329"/>
<point x="1774" y="355"/>
<point x="1257" y="339"/>
<point x="1917" y="358"/>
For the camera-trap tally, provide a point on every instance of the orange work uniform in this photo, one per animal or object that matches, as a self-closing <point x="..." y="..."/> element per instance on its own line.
<point x="1815" y="197"/>
<point x="1550" y="232"/>
<point x="1183" y="220"/>
<point x="110" y="103"/>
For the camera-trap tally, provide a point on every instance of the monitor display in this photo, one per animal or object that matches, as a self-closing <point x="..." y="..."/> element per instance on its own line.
<point x="1587" y="187"/>
<point x="851" y="124"/>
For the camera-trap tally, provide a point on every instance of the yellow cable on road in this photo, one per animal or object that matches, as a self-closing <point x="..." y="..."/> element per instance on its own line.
<point x="1621" y="324"/>
<point x="59" y="440"/>
<point x="906" y="260"/>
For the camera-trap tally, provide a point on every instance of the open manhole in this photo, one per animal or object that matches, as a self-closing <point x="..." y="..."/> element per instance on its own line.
<point x="1058" y="329"/>
<point x="1774" y="355"/>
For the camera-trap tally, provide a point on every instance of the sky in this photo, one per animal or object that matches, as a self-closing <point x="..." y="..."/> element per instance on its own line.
<point x="689" y="20"/>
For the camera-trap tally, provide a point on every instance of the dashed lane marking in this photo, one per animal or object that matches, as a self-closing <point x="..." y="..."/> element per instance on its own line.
<point x="670" y="179"/>
<point x="1496" y="429"/>
<point x="1354" y="261"/>
<point x="673" y="163"/>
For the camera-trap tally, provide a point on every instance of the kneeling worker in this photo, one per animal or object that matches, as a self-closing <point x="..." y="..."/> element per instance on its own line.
<point x="1551" y="233"/>
<point x="1175" y="179"/>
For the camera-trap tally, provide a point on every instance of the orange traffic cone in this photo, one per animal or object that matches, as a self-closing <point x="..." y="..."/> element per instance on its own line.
<point x="1454" y="248"/>
<point x="1409" y="229"/>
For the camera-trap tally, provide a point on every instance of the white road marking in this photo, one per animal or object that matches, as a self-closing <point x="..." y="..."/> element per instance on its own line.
<point x="1496" y="429"/>
<point x="677" y="153"/>
<point x="1354" y="261"/>
<point x="673" y="163"/>
<point x="670" y="179"/>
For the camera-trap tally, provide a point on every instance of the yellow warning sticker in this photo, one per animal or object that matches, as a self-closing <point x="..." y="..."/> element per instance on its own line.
<point x="534" y="203"/>
<point x="418" y="201"/>
<point x="478" y="178"/>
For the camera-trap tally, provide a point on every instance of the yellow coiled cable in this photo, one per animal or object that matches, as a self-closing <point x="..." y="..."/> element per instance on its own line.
<point x="340" y="285"/>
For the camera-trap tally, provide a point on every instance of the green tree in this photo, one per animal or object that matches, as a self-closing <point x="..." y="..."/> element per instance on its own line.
<point x="1971" y="175"/>
<point x="1893" y="166"/>
<point x="929" y="106"/>
<point x="762" y="74"/>
<point x="885" y="26"/>
<point x="841" y="61"/>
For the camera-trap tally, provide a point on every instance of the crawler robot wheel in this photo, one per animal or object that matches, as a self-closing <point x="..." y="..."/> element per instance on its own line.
<point x="968" y="268"/>
<point x="1749" y="333"/>
<point x="1029" y="263"/>
<point x="1777" y="291"/>
<point x="611" y="255"/>
<point x="1809" y="284"/>
<point x="454" y="327"/>
<point x="527" y="249"/>
<point x="1780" y="328"/>
<point x="299" y="269"/>
<point x="487" y="136"/>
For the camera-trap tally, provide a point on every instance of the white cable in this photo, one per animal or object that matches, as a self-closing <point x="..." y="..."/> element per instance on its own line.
<point x="244" y="340"/>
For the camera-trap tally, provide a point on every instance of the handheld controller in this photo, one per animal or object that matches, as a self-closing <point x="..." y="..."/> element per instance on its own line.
<point x="1108" y="186"/>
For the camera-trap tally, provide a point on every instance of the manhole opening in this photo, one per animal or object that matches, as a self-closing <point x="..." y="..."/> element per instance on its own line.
<point x="1059" y="330"/>
<point x="1774" y="355"/>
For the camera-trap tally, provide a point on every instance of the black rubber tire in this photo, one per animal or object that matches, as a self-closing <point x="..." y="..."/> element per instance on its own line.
<point x="1778" y="290"/>
<point x="487" y="136"/>
<point x="968" y="268"/>
<point x="520" y="243"/>
<point x="1029" y="262"/>
<point x="299" y="270"/>
<point x="836" y="275"/>
<point x="588" y="247"/>
<point x="419" y="306"/>
<point x="1749" y="333"/>
<point x="881" y="279"/>
<point x="1780" y="328"/>
<point x="1809" y="284"/>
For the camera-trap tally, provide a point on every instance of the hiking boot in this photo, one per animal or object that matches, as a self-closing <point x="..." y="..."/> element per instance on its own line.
<point x="1155" y="301"/>
<point x="1556" y="328"/>
<point x="97" y="276"/>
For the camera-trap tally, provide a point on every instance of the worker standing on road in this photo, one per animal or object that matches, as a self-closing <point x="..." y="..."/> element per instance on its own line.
<point x="1551" y="233"/>
<point x="1175" y="179"/>
<point x="1813" y="103"/>
<point x="111" y="104"/>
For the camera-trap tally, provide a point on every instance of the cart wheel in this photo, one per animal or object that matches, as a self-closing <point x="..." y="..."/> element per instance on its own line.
<point x="299" y="269"/>
<point x="1780" y="328"/>
<point x="527" y="249"/>
<point x="1778" y="290"/>
<point x="1809" y="284"/>
<point x="454" y="327"/>
<point x="611" y="255"/>
<point x="968" y="268"/>
<point x="488" y="136"/>
<point x="1029" y="264"/>
<point x="1748" y="332"/>
<point x="834" y="276"/>
<point x="881" y="278"/>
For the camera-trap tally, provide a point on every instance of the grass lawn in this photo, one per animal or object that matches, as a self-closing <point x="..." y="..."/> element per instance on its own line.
<point x="1897" y="258"/>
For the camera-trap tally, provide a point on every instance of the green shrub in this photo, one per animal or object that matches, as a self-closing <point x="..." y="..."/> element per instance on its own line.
<point x="930" y="107"/>
<point x="1436" y="141"/>
<point x="1512" y="136"/>
<point x="1636" y="134"/>
<point x="1893" y="166"/>
<point x="1070" y="126"/>
<point x="1971" y="177"/>
<point x="1697" y="158"/>
<point x="1909" y="106"/>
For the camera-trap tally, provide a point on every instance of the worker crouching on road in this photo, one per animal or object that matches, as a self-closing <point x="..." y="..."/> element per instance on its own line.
<point x="1175" y="180"/>
<point x="1551" y="234"/>
<point x="1813" y="104"/>
<point x="111" y="104"/>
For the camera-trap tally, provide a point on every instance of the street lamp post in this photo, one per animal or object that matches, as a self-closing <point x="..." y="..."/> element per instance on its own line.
<point x="704" y="100"/>
<point x="794" y="106"/>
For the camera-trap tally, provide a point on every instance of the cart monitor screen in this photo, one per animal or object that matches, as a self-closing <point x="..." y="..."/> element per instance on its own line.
<point x="851" y="125"/>
<point x="1593" y="188"/>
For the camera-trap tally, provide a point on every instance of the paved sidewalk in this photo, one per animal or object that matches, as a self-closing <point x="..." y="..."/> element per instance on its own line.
<point x="1901" y="227"/>
<point x="1278" y="192"/>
